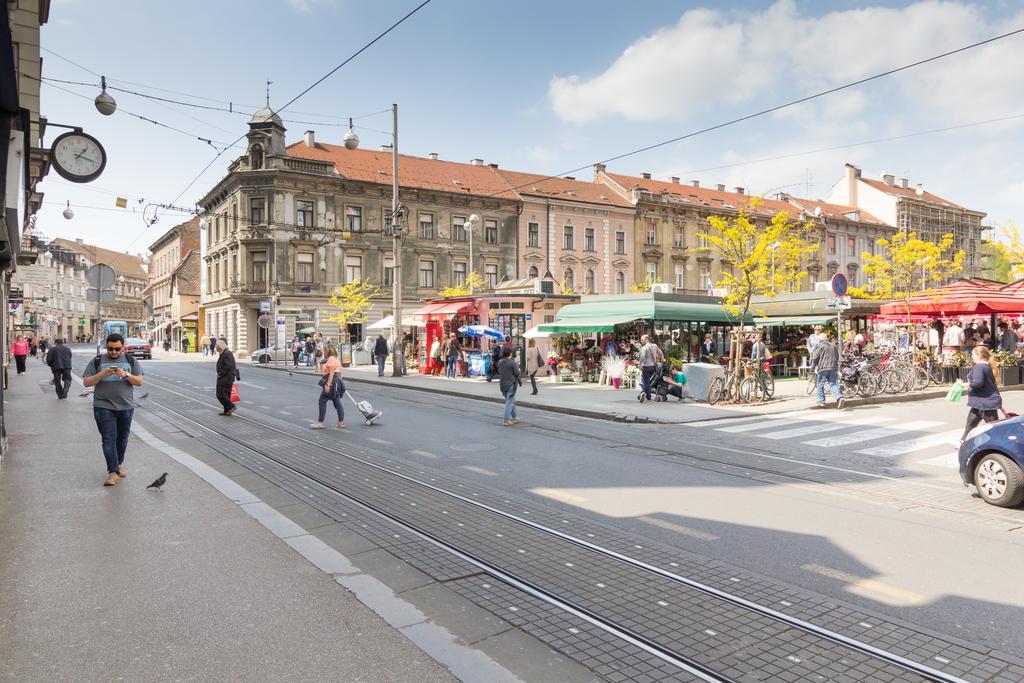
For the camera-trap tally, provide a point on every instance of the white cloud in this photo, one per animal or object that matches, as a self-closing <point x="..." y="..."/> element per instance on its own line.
<point x="540" y="154"/>
<point x="710" y="58"/>
<point x="1012" y="193"/>
<point x="308" y="5"/>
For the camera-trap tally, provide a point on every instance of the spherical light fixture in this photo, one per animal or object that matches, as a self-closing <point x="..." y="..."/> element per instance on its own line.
<point x="68" y="213"/>
<point x="351" y="140"/>
<point x="202" y="222"/>
<point x="105" y="104"/>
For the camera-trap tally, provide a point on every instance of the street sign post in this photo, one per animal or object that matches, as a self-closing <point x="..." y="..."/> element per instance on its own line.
<point x="839" y="284"/>
<point x="839" y="287"/>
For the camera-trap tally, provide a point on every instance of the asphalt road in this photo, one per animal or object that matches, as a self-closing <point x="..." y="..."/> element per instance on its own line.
<point x="884" y="530"/>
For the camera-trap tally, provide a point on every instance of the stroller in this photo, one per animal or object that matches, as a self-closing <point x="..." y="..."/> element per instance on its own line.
<point x="661" y="389"/>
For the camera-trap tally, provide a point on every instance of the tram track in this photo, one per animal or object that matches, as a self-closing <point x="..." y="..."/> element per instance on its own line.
<point x="697" y="667"/>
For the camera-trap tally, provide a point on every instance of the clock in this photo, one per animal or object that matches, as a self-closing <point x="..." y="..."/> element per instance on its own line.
<point x="78" y="157"/>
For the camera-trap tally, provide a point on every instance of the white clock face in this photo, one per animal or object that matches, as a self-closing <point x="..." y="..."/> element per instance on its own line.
<point x="78" y="156"/>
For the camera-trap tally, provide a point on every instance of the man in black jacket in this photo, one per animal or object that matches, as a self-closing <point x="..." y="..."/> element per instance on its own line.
<point x="59" y="360"/>
<point x="380" y="353"/>
<point x="227" y="373"/>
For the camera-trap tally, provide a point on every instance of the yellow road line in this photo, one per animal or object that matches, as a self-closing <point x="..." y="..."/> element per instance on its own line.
<point x="561" y="495"/>
<point x="869" y="585"/>
<point x="479" y="470"/>
<point x="678" y="528"/>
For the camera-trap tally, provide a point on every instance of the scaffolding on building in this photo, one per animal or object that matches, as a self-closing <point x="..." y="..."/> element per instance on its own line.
<point x="931" y="222"/>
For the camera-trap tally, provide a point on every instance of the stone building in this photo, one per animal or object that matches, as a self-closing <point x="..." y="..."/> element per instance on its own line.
<point x="54" y="295"/>
<point x="289" y="224"/>
<point x="580" y="232"/>
<point x="131" y="281"/>
<point x="914" y="209"/>
<point x="173" y="290"/>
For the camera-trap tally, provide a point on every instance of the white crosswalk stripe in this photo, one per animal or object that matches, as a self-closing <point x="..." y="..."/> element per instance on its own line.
<point x="946" y="460"/>
<point x="918" y="444"/>
<point x="870" y="434"/>
<point x="763" y="424"/>
<point x="819" y="428"/>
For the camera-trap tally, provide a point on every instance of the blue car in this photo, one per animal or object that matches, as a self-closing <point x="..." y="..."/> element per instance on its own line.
<point x="992" y="460"/>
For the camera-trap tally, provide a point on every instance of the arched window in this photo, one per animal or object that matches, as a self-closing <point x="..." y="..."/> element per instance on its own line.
<point x="534" y="272"/>
<point x="588" y="282"/>
<point x="257" y="156"/>
<point x="567" y="277"/>
<point x="620" y="283"/>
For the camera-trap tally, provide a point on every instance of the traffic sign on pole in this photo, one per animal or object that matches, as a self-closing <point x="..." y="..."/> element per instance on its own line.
<point x="839" y="284"/>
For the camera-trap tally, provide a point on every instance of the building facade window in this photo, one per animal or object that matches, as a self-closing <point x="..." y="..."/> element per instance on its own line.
<point x="620" y="243"/>
<point x="459" y="229"/>
<point x="257" y="156"/>
<point x="459" y="273"/>
<point x="652" y="232"/>
<point x="568" y="278"/>
<point x="304" y="213"/>
<point x="426" y="273"/>
<point x="304" y="267"/>
<point x="257" y="210"/>
<point x="534" y="272"/>
<point x="388" y="276"/>
<point x="533" y="235"/>
<point x="702" y="241"/>
<point x="259" y="267"/>
<point x="851" y="245"/>
<point x="427" y="226"/>
<point x="354" y="218"/>
<point x="705" y="277"/>
<point x="491" y="274"/>
<point x="831" y="240"/>
<point x="680" y="238"/>
<point x="620" y="283"/>
<point x="353" y="268"/>
<point x="588" y="282"/>
<point x="680" y="276"/>
<point x="588" y="240"/>
<point x="568" y="238"/>
<point x="490" y="231"/>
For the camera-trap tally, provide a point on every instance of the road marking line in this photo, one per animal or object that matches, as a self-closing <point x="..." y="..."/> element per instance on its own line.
<point x="870" y="585"/>
<point x="380" y="441"/>
<point x="819" y="428"/>
<point x="561" y="495"/>
<point x="254" y="386"/>
<point x="284" y="412"/>
<point x="678" y="528"/>
<point x="911" y="445"/>
<point x="869" y="434"/>
<point x="425" y="454"/>
<point x="764" y="424"/>
<point x="946" y="460"/>
<point x="479" y="470"/>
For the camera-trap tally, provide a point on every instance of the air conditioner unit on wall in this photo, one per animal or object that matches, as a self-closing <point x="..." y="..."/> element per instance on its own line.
<point x="661" y="288"/>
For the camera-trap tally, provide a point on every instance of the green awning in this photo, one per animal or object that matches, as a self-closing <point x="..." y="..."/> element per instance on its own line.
<point x="795" y="321"/>
<point x="643" y="307"/>
<point x="584" y="325"/>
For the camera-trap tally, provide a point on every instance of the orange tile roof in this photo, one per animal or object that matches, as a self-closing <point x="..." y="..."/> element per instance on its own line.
<point x="419" y="172"/>
<point x="123" y="264"/>
<point x="702" y="196"/>
<point x="910" y="192"/>
<point x="833" y="210"/>
<point x="535" y="184"/>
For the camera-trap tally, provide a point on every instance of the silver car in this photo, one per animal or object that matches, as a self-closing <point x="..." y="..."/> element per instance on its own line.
<point x="277" y="352"/>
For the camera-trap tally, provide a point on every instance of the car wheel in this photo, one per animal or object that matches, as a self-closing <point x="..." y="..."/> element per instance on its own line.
<point x="264" y="358"/>
<point x="999" y="480"/>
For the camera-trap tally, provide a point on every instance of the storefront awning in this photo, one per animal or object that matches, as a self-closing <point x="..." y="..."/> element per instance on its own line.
<point x="645" y="307"/>
<point x="795" y="321"/>
<point x="592" y="325"/>
<point x="443" y="308"/>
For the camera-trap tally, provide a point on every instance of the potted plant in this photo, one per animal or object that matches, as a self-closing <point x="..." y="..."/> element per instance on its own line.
<point x="960" y="361"/>
<point x="564" y="371"/>
<point x="1009" y="367"/>
<point x="614" y="367"/>
<point x="632" y="371"/>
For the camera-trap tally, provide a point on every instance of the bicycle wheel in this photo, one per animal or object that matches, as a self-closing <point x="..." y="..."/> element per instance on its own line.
<point x="847" y="389"/>
<point x="748" y="389"/>
<point x="935" y="373"/>
<point x="716" y="390"/>
<point x="768" y="384"/>
<point x="812" y="384"/>
<point x="866" y="385"/>
<point x="892" y="383"/>
<point x="921" y="379"/>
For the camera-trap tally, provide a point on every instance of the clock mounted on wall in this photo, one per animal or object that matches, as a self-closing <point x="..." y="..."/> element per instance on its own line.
<point x="77" y="156"/>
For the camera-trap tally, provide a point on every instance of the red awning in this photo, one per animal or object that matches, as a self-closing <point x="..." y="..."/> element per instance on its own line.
<point x="443" y="308"/>
<point x="963" y="297"/>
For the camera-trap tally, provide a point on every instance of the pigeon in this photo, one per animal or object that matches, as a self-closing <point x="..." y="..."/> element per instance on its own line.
<point x="159" y="483"/>
<point x="85" y="394"/>
<point x="145" y="395"/>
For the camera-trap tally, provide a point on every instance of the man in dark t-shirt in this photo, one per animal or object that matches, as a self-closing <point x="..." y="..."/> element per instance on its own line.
<point x="114" y="376"/>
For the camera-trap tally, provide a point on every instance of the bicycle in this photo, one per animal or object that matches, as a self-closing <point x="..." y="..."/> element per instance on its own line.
<point x="759" y="382"/>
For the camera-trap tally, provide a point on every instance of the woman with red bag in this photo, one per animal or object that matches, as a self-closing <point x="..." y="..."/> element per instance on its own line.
<point x="227" y="374"/>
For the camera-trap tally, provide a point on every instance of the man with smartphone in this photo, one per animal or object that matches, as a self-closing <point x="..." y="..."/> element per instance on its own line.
<point x="114" y="376"/>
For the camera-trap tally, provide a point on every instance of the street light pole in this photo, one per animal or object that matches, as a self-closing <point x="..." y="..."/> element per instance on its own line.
<point x="396" y="285"/>
<point x="470" y="224"/>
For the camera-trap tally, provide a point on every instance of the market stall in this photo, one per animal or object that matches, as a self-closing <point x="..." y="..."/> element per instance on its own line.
<point x="438" y="320"/>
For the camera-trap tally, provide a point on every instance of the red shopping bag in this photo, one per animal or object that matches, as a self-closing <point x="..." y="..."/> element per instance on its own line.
<point x="234" y="393"/>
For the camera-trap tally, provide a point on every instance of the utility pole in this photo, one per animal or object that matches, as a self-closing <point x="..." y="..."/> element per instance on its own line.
<point x="396" y="228"/>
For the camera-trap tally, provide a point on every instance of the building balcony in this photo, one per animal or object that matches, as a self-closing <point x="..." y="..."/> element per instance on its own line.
<point x="249" y="288"/>
<point x="309" y="166"/>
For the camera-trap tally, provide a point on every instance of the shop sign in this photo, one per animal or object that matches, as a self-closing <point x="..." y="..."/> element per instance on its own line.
<point x="264" y="305"/>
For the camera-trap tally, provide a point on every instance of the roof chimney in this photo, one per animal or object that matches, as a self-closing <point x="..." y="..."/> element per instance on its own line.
<point x="433" y="155"/>
<point x="720" y="187"/>
<point x="852" y="175"/>
<point x="645" y="176"/>
<point x="675" y="180"/>
<point x="79" y="240"/>
<point x="599" y="168"/>
<point x="919" y="190"/>
<point x="569" y="177"/>
<point x="492" y="165"/>
<point x="477" y="162"/>
<point x="310" y="139"/>
<point x="385" y="148"/>
<point x="739" y="190"/>
<point x="888" y="179"/>
<point x="695" y="183"/>
<point x="904" y="183"/>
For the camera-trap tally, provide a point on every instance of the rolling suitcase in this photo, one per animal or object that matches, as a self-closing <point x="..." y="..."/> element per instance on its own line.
<point x="365" y="409"/>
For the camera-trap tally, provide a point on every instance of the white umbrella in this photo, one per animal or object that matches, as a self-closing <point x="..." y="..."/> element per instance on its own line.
<point x="386" y="322"/>
<point x="535" y="333"/>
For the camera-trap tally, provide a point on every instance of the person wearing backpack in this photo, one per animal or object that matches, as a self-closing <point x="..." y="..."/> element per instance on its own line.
<point x="114" y="376"/>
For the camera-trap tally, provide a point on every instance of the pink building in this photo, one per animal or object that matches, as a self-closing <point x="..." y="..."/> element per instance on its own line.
<point x="582" y="233"/>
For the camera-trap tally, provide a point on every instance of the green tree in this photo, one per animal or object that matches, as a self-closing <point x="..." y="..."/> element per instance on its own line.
<point x="995" y="262"/>
<point x="352" y="301"/>
<point x="907" y="266"/>
<point x="474" y="283"/>
<point x="1009" y="243"/>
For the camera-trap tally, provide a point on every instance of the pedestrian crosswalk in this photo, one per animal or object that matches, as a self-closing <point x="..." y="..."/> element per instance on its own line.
<point x="876" y="436"/>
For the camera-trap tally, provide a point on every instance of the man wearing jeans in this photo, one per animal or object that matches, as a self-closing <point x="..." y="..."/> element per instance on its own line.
<point x="509" y="380"/>
<point x="114" y="376"/>
<point x="825" y="359"/>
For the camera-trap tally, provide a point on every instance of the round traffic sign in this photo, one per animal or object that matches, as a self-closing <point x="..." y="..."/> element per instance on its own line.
<point x="839" y="284"/>
<point x="263" y="321"/>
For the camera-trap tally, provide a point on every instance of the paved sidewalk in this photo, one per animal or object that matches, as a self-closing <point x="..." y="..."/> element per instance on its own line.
<point x="110" y="583"/>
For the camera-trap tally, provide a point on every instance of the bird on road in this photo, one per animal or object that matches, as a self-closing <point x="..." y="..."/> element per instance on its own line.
<point x="159" y="483"/>
<point x="145" y="395"/>
<point x="85" y="394"/>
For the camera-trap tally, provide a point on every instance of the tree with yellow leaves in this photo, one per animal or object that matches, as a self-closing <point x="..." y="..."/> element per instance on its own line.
<point x="353" y="301"/>
<point x="906" y="266"/>
<point x="474" y="283"/>
<point x="647" y="285"/>
<point x="1010" y="243"/>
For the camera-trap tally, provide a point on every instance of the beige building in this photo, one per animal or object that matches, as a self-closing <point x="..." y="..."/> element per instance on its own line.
<point x="131" y="281"/>
<point x="915" y="209"/>
<point x="173" y="292"/>
<point x="289" y="224"/>
<point x="54" y="290"/>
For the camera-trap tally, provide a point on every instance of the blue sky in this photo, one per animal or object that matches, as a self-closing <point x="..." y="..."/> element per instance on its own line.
<point x="547" y="87"/>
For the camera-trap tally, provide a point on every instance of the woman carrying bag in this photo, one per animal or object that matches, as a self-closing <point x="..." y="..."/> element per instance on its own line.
<point x="534" y="363"/>
<point x="331" y="387"/>
<point x="983" y="392"/>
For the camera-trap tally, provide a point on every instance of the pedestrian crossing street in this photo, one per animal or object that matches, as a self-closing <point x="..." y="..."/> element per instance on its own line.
<point x="928" y="442"/>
